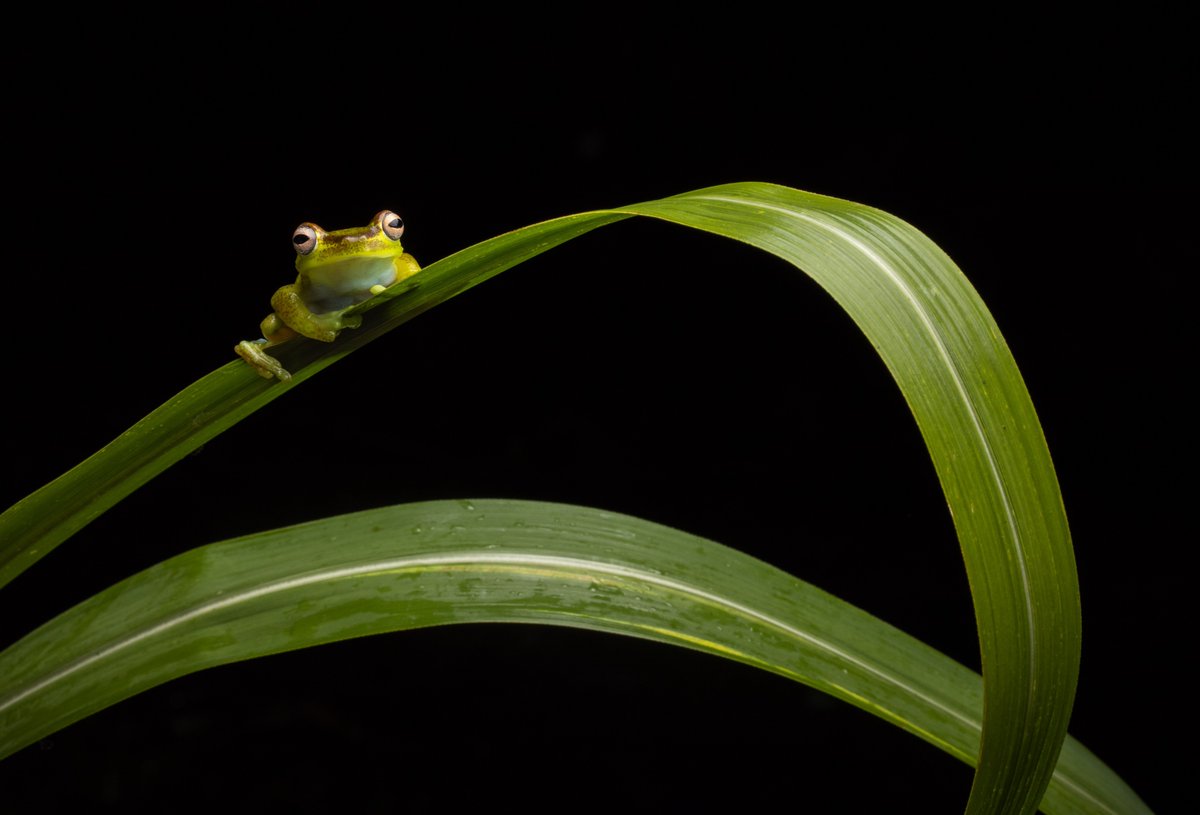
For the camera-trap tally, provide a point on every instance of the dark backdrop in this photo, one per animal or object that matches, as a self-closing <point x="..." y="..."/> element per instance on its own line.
<point x="152" y="185"/>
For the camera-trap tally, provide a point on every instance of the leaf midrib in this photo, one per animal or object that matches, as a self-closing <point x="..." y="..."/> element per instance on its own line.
<point x="555" y="566"/>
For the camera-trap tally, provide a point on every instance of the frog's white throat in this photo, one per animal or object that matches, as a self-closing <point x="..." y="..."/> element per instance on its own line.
<point x="344" y="282"/>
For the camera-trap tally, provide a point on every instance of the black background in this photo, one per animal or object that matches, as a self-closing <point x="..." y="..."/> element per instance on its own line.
<point x="152" y="185"/>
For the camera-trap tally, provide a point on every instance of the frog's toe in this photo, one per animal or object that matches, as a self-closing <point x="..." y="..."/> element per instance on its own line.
<point x="263" y="363"/>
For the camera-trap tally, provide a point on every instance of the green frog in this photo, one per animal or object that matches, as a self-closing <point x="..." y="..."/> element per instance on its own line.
<point x="337" y="270"/>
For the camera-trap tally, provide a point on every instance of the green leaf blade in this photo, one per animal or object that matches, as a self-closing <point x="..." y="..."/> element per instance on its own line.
<point x="442" y="563"/>
<point x="36" y="525"/>
<point x="959" y="378"/>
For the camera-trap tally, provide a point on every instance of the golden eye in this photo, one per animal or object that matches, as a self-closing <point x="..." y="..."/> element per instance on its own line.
<point x="305" y="238"/>
<point x="393" y="224"/>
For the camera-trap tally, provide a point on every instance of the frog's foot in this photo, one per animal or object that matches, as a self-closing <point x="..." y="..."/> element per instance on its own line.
<point x="263" y="363"/>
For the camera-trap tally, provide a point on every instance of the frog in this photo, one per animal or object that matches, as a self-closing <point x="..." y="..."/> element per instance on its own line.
<point x="335" y="271"/>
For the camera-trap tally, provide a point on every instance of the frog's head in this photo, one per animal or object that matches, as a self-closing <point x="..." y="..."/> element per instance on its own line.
<point x="320" y="252"/>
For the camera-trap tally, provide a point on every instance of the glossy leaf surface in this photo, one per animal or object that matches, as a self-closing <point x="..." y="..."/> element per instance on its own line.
<point x="439" y="563"/>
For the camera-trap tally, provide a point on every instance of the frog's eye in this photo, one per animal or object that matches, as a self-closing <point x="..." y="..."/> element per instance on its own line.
<point x="304" y="239"/>
<point x="393" y="224"/>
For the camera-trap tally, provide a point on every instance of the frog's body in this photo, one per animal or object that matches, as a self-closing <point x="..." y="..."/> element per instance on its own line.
<point x="336" y="271"/>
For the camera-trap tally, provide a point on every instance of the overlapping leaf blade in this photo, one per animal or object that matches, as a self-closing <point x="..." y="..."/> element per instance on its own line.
<point x="447" y="562"/>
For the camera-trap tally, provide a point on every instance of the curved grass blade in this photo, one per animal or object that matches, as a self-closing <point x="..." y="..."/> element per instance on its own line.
<point x="447" y="562"/>
<point x="934" y="334"/>
<point x="37" y="524"/>
<point x="947" y="355"/>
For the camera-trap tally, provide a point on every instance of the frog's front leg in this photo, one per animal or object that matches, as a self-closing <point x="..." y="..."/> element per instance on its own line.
<point x="406" y="266"/>
<point x="263" y="363"/>
<point x="274" y="331"/>
<point x="291" y="309"/>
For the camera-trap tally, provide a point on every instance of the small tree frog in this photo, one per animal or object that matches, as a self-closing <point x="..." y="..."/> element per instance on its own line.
<point x="336" y="271"/>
